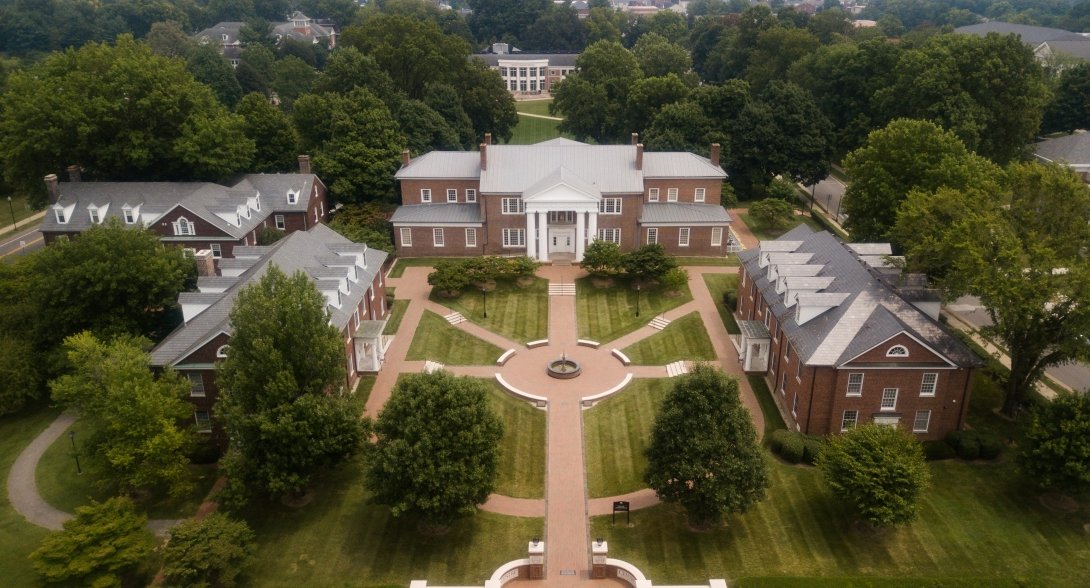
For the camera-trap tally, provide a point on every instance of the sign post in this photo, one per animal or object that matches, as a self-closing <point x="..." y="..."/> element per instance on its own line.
<point x="622" y="506"/>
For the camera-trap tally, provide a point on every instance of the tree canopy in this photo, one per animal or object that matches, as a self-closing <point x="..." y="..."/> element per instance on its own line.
<point x="594" y="98"/>
<point x="1056" y="451"/>
<point x="208" y="552"/>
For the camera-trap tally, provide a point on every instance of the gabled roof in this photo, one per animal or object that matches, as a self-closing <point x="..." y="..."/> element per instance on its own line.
<point x="565" y="178"/>
<point x="1071" y="149"/>
<point x="674" y="164"/>
<point x="299" y="251"/>
<point x="462" y="165"/>
<point x="862" y="310"/>
<point x="214" y="33"/>
<point x="1031" y="35"/>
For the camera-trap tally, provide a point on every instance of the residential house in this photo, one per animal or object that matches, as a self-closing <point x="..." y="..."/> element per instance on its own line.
<point x="527" y="74"/>
<point x="843" y="338"/>
<point x="1071" y="150"/>
<point x="551" y="199"/>
<point x="1048" y="44"/>
<point x="348" y="274"/>
<point x="195" y="215"/>
<point x="298" y="27"/>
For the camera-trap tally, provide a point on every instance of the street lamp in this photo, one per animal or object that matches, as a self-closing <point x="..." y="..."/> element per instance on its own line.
<point x="75" y="454"/>
<point x="15" y="226"/>
<point x="484" y="300"/>
<point x="813" y="189"/>
<point x="637" y="299"/>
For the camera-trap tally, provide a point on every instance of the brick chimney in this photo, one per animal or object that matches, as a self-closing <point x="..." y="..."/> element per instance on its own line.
<point x="639" y="156"/>
<point x="304" y="164"/>
<point x="488" y="138"/>
<point x="484" y="154"/>
<point x="714" y="156"/>
<point x="73" y="173"/>
<point x="635" y="138"/>
<point x="406" y="157"/>
<point x="53" y="187"/>
<point x="206" y="266"/>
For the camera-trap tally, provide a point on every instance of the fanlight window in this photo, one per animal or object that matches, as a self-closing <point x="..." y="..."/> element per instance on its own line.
<point x="897" y="351"/>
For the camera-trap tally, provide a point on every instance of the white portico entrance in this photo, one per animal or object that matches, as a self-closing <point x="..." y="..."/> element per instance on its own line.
<point x="561" y="215"/>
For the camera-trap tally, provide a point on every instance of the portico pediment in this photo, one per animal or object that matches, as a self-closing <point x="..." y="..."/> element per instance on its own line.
<point x="562" y="188"/>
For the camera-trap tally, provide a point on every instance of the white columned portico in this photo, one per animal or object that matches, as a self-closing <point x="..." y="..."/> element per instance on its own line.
<point x="580" y="234"/>
<point x="531" y="235"/>
<point x="542" y="236"/>
<point x="592" y="228"/>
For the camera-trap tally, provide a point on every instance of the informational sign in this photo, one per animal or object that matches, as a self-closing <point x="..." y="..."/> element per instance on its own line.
<point x="622" y="506"/>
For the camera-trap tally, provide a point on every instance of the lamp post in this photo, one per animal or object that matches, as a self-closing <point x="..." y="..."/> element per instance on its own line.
<point x="15" y="225"/>
<point x="637" y="299"/>
<point x="75" y="454"/>
<point x="484" y="300"/>
<point x="813" y="189"/>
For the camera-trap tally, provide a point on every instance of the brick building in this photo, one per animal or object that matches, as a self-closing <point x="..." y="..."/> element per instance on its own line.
<point x="526" y="74"/>
<point x="551" y="199"/>
<point x="348" y="274"/>
<point x="195" y="215"/>
<point x="843" y="338"/>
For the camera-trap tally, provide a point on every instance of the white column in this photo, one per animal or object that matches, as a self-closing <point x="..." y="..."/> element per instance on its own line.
<point x="580" y="234"/>
<point x="542" y="236"/>
<point x="531" y="236"/>
<point x="592" y="228"/>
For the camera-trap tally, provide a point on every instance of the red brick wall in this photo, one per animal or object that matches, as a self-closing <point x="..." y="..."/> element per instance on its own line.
<point x="700" y="239"/>
<point x="165" y="228"/>
<point x="410" y="190"/>
<point x="713" y="189"/>
<point x="454" y="239"/>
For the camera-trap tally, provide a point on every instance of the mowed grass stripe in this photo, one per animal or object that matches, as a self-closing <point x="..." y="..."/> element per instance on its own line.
<point x="684" y="339"/>
<point x="437" y="340"/>
<point x="397" y="313"/>
<point x="520" y="313"/>
<point x="605" y="314"/>
<point x="718" y="284"/>
<point x="522" y="457"/>
<point x="618" y="430"/>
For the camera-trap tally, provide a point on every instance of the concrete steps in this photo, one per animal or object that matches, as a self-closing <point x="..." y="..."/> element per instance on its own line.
<point x="561" y="289"/>
<point x="659" y="323"/>
<point x="455" y="318"/>
<point x="678" y="368"/>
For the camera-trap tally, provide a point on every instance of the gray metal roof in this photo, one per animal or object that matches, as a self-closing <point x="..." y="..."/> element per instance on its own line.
<point x="678" y="164"/>
<point x="214" y="34"/>
<point x="555" y="59"/>
<point x="439" y="213"/>
<point x="684" y="213"/>
<point x="1031" y="35"/>
<point x="442" y="165"/>
<point x="1076" y="48"/>
<point x="296" y="252"/>
<point x="868" y="313"/>
<point x="753" y="330"/>
<point x="1071" y="149"/>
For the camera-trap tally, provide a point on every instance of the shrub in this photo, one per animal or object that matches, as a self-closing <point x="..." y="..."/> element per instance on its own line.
<point x="812" y="448"/>
<point x="781" y="190"/>
<point x="771" y="213"/>
<point x="954" y="439"/>
<point x="937" y="450"/>
<point x="775" y="441"/>
<point x="793" y="448"/>
<point x="991" y="446"/>
<point x="969" y="449"/>
<point x="675" y="279"/>
<point x="730" y="299"/>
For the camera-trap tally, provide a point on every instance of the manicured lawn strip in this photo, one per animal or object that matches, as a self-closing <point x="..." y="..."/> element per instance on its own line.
<point x="397" y="312"/>
<point x="341" y="540"/>
<point x="522" y="459"/>
<point x="438" y="340"/>
<point x="404" y="262"/>
<point x="976" y="523"/>
<point x="684" y="339"/>
<point x="729" y="261"/>
<point x="19" y="205"/>
<point x="766" y="234"/>
<point x="530" y="130"/>
<point x="773" y="418"/>
<point x="719" y="284"/>
<point x="605" y="314"/>
<point x="516" y="312"/>
<point x="18" y="537"/>
<point x="617" y="430"/>
<point x="540" y="107"/>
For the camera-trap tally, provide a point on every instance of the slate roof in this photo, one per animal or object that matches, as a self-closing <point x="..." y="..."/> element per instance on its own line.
<point x="869" y="314"/>
<point x="1073" y="149"/>
<point x="684" y="213"/>
<point x="1031" y="35"/>
<point x="214" y="33"/>
<point x="441" y="213"/>
<point x="555" y="59"/>
<point x="298" y="251"/>
<point x="1076" y="48"/>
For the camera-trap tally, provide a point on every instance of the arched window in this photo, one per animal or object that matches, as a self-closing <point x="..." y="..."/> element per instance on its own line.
<point x="897" y="351"/>
<point x="183" y="227"/>
<point x="222" y="351"/>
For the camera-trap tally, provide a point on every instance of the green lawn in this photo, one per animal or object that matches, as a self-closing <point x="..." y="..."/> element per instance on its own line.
<point x="540" y="107"/>
<point x="61" y="487"/>
<point x="767" y="234"/>
<point x="397" y="312"/>
<point x="728" y="261"/>
<point x="719" y="284"/>
<point x="516" y="312"/>
<point x="773" y="418"/>
<point x="18" y="537"/>
<point x="403" y="262"/>
<point x="437" y="340"/>
<point x="617" y="430"/>
<point x="976" y="525"/>
<point x="19" y="206"/>
<point x="607" y="313"/>
<point x="684" y="339"/>
<point x="522" y="461"/>
<point x="532" y="130"/>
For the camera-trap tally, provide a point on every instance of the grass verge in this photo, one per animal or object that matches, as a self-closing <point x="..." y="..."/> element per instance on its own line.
<point x="539" y="107"/>
<point x="617" y="431"/>
<point x="530" y="130"/>
<point x="516" y="312"/>
<point x="437" y="340"/>
<point x="397" y="312"/>
<point x="607" y="313"/>
<point x="773" y="418"/>
<point x="684" y="339"/>
<point x="764" y="234"/>
<point x="404" y="262"/>
<point x="718" y="285"/>
<point x="728" y="261"/>
<point x="522" y="458"/>
<point x="18" y="537"/>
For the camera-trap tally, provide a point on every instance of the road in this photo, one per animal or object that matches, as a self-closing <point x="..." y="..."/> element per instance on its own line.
<point x="828" y="194"/>
<point x="23" y="241"/>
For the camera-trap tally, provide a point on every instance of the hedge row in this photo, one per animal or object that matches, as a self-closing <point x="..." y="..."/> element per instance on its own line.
<point x="796" y="447"/>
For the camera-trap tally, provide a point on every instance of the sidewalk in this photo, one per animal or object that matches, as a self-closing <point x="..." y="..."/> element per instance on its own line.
<point x="22" y="223"/>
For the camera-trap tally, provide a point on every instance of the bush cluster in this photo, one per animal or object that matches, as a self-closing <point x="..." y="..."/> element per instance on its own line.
<point x="454" y="275"/>
<point x="973" y="444"/>
<point x="796" y="447"/>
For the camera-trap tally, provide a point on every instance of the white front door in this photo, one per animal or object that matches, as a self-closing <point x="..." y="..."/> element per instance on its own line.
<point x="562" y="240"/>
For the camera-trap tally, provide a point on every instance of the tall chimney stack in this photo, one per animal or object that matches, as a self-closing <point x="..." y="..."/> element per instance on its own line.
<point x="406" y="157"/>
<point x="73" y="173"/>
<point x="635" y="138"/>
<point x="53" y="187"/>
<point x="639" y="156"/>
<point x="484" y="155"/>
<point x="488" y="138"/>
<point x="714" y="155"/>
<point x="304" y="164"/>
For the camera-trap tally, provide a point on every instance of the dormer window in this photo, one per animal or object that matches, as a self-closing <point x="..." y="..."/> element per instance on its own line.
<point x="225" y="37"/>
<point x="897" y="351"/>
<point x="293" y="197"/>
<point x="130" y="218"/>
<point x="94" y="215"/>
<point x="182" y="226"/>
<point x="60" y="215"/>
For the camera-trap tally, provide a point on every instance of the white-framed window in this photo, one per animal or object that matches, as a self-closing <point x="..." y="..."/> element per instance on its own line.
<point x="849" y="420"/>
<point x="897" y="351"/>
<point x="452" y="195"/>
<point x="683" y="237"/>
<point x="855" y="384"/>
<point x="929" y="383"/>
<point x="203" y="421"/>
<point x="217" y="250"/>
<point x="280" y="222"/>
<point x="514" y="237"/>
<point x="222" y="351"/>
<point x="671" y="194"/>
<point x="611" y="235"/>
<point x="59" y="213"/>
<point x="922" y="421"/>
<point x="609" y="206"/>
<point x="438" y="239"/>
<point x="196" y="384"/>
<point x="425" y="195"/>
<point x="798" y="371"/>
<point x="652" y="194"/>
<point x="562" y="217"/>
<point x="768" y="320"/>
<point x="130" y="218"/>
<point x="652" y="236"/>
<point x="794" y="401"/>
<point x="698" y="195"/>
<point x="717" y="236"/>
<point x="471" y="194"/>
<point x="406" y="237"/>
<point x="293" y="197"/>
<point x="94" y="215"/>
<point x="889" y="399"/>
<point x="471" y="237"/>
<point x="513" y="206"/>
<point x="182" y="226"/>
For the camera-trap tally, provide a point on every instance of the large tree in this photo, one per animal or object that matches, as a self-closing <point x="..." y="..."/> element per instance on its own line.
<point x="1069" y="108"/>
<point x="658" y="56"/>
<point x="207" y="552"/>
<point x="210" y="68"/>
<point x="594" y="99"/>
<point x="282" y="399"/>
<point x="120" y="112"/>
<point x="436" y="454"/>
<point x="271" y="130"/>
<point x="879" y="470"/>
<point x="1056" y="452"/>
<point x="133" y="415"/>
<point x="704" y="453"/>
<point x="1022" y="251"/>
